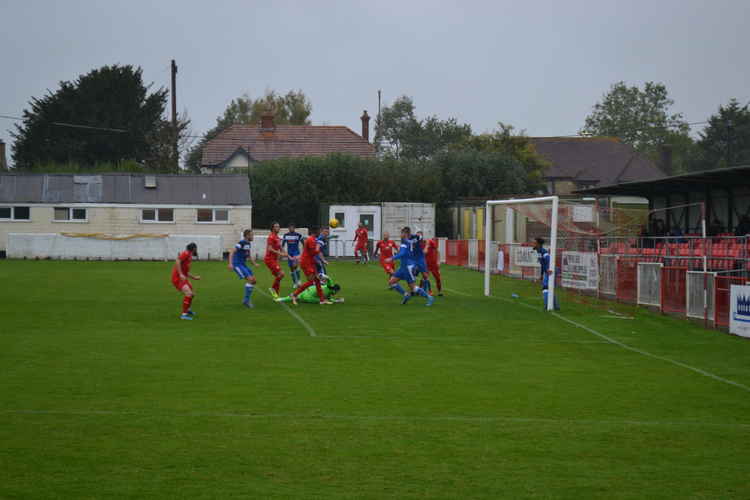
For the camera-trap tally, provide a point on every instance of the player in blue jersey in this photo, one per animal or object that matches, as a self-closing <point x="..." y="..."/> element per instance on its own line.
<point x="406" y="271"/>
<point x="546" y="272"/>
<point x="421" y="263"/>
<point x="292" y="240"/>
<point x="238" y="264"/>
<point x="320" y="260"/>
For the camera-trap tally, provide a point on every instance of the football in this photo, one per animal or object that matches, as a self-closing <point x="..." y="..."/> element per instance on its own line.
<point x="333" y="223"/>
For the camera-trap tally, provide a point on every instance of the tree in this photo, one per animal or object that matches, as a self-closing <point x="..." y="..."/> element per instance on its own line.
<point x="162" y="140"/>
<point x="637" y="117"/>
<point x="54" y="129"/>
<point x="516" y="145"/>
<point x="293" y="108"/>
<point x="399" y="133"/>
<point x="726" y="139"/>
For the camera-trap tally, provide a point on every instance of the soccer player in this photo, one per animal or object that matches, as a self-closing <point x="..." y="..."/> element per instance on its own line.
<point x="419" y="261"/>
<point x="238" y="263"/>
<point x="385" y="248"/>
<point x="310" y="249"/>
<point x="180" y="275"/>
<point x="320" y="260"/>
<point x="273" y="253"/>
<point x="360" y="244"/>
<point x="408" y="256"/>
<point x="432" y="257"/>
<point x="309" y="296"/>
<point x="546" y="272"/>
<point x="292" y="241"/>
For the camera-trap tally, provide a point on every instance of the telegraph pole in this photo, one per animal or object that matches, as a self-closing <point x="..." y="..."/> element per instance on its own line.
<point x="174" y="115"/>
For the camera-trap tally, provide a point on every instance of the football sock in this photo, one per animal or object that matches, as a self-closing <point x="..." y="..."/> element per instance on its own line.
<point x="302" y="288"/>
<point x="420" y="291"/>
<point x="439" y="284"/>
<point x="545" y="294"/>
<point x="398" y="288"/>
<point x="186" y="302"/>
<point x="319" y="289"/>
<point x="248" y="291"/>
<point x="276" y="284"/>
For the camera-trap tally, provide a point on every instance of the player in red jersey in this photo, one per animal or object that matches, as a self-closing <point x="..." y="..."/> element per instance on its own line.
<point x="180" y="275"/>
<point x="310" y="250"/>
<point x="432" y="257"/>
<point x="273" y="253"/>
<point x="385" y="248"/>
<point x="360" y="244"/>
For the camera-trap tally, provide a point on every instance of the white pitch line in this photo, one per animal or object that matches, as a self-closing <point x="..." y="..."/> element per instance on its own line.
<point x="626" y="346"/>
<point x="427" y="418"/>
<point x="294" y="314"/>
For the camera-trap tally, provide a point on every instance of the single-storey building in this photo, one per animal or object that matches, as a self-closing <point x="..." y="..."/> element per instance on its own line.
<point x="578" y="163"/>
<point x="124" y="205"/>
<point x="239" y="146"/>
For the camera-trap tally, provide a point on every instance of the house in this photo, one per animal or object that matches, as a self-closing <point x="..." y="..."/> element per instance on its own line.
<point x="585" y="162"/>
<point x="125" y="205"/>
<point x="239" y="146"/>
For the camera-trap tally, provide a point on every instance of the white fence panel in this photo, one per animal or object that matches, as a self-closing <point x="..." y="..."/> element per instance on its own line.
<point x="608" y="274"/>
<point x="649" y="283"/>
<point x="700" y="294"/>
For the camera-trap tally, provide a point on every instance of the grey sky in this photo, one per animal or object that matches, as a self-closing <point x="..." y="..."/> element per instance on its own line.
<point x="539" y="66"/>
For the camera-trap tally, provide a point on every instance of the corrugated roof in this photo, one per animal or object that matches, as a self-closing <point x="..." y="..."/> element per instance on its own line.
<point x="125" y="188"/>
<point x="602" y="160"/>
<point x="284" y="141"/>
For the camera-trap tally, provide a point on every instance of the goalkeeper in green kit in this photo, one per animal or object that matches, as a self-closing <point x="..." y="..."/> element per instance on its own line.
<point x="310" y="295"/>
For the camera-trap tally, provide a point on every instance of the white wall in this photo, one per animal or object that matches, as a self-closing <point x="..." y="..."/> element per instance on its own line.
<point x="56" y="246"/>
<point x="343" y="245"/>
<point x="126" y="220"/>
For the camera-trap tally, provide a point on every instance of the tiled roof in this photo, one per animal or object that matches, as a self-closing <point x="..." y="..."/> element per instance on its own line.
<point x="283" y="142"/>
<point x="600" y="160"/>
<point x="125" y="188"/>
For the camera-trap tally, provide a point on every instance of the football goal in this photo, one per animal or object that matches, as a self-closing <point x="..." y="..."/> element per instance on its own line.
<point x="510" y="229"/>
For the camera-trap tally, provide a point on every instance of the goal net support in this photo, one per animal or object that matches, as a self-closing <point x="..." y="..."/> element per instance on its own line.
<point x="542" y="211"/>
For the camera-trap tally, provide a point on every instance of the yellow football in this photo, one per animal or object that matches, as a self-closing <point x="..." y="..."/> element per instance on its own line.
<point x="333" y="223"/>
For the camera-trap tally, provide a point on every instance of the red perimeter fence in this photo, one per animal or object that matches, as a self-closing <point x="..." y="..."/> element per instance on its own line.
<point x="727" y="261"/>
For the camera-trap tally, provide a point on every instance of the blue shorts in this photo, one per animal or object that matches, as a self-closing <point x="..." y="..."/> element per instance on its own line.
<point x="242" y="271"/>
<point x="293" y="260"/>
<point x="406" y="273"/>
<point x="420" y="266"/>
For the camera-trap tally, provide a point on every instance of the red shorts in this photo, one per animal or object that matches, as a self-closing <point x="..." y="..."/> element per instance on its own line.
<point x="433" y="267"/>
<point x="388" y="267"/>
<point x="308" y="267"/>
<point x="179" y="284"/>
<point x="360" y="246"/>
<point x="273" y="266"/>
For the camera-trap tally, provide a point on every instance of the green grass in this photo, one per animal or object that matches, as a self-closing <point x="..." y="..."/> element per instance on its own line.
<point x="104" y="393"/>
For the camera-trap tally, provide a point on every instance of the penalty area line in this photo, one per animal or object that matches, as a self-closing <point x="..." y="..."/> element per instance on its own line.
<point x="294" y="315"/>
<point x="625" y="346"/>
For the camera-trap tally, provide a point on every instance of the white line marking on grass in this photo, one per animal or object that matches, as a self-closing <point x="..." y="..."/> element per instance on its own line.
<point x="294" y="314"/>
<point x="625" y="346"/>
<point x="473" y="340"/>
<point x="417" y="418"/>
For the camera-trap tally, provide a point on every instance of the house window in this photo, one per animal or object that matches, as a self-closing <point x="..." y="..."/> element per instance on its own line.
<point x="212" y="215"/>
<point x="67" y="214"/>
<point x="339" y="216"/>
<point x="156" y="215"/>
<point x="15" y="213"/>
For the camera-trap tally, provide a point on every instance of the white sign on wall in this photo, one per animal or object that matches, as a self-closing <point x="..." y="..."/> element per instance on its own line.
<point x="524" y="256"/>
<point x="739" y="310"/>
<point x="580" y="270"/>
<point x="583" y="213"/>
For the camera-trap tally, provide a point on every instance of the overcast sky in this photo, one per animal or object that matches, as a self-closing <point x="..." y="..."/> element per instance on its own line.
<point x="539" y="66"/>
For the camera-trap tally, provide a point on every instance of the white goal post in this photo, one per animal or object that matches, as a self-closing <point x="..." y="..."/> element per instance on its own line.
<point x="488" y="227"/>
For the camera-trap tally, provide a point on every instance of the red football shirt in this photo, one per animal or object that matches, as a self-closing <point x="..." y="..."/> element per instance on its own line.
<point x="431" y="252"/>
<point x="386" y="248"/>
<point x="272" y="243"/>
<point x="185" y="258"/>
<point x="309" y="251"/>
<point x="360" y="235"/>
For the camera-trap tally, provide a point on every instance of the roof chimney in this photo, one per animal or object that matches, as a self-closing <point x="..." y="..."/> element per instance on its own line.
<point x="665" y="153"/>
<point x="3" y="162"/>
<point x="266" y="120"/>
<point x="365" y="126"/>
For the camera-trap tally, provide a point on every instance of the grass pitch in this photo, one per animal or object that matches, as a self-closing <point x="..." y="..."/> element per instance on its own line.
<point x="104" y="393"/>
